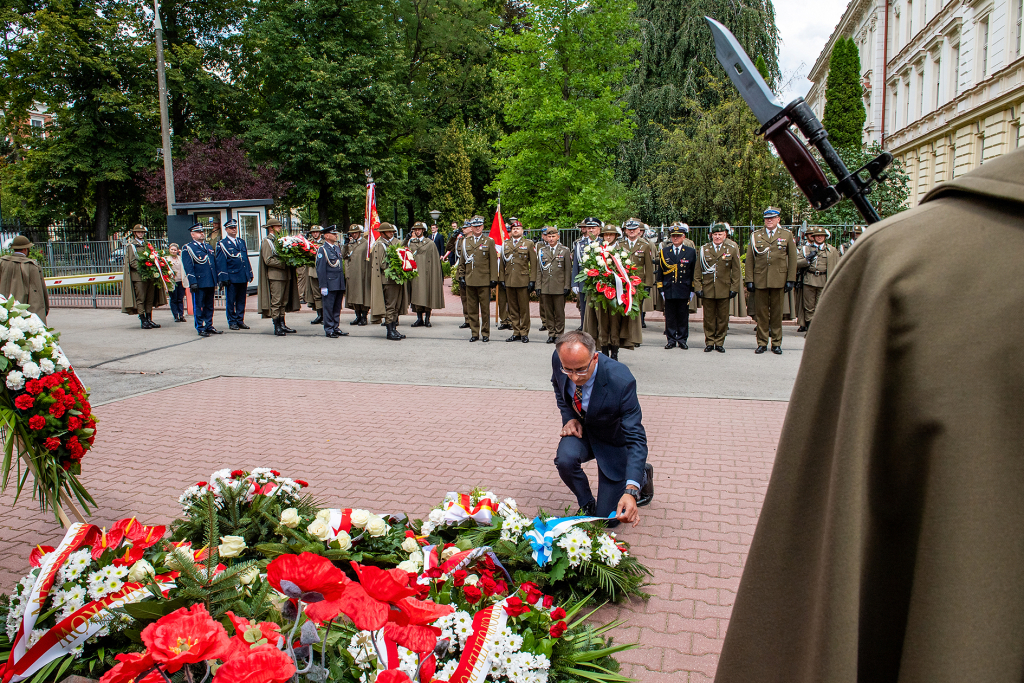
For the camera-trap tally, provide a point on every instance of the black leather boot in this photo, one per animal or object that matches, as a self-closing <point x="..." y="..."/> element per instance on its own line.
<point x="426" y="319"/>
<point x="144" y="324"/>
<point x="149" y="319"/>
<point x="362" y="319"/>
<point x="615" y="352"/>
<point x="284" y="327"/>
<point x="393" y="333"/>
<point x="606" y="350"/>
<point x="318" y="319"/>
<point x="277" y="328"/>
<point x="419" y="320"/>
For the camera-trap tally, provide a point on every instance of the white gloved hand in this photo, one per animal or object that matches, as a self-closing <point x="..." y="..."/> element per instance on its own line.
<point x="691" y="296"/>
<point x="323" y="291"/>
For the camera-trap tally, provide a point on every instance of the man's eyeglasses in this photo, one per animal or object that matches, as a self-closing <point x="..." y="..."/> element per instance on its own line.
<point x="582" y="371"/>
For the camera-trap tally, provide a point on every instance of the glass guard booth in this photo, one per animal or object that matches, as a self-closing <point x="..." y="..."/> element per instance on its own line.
<point x="251" y="214"/>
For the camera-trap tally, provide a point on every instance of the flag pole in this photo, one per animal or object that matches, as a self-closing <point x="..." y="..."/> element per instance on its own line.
<point x="499" y="249"/>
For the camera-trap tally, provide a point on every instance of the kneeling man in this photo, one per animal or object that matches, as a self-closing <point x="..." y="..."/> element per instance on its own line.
<point x="601" y="420"/>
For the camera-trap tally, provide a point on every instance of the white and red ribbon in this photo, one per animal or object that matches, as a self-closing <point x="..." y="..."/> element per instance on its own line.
<point x="408" y="262"/>
<point x="461" y="508"/>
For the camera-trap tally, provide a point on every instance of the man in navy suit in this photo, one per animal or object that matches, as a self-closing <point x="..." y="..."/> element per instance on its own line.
<point x="438" y="239"/>
<point x="600" y="419"/>
<point x="197" y="259"/>
<point x="234" y="272"/>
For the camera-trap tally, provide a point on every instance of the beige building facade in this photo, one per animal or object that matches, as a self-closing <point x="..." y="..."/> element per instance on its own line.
<point x="943" y="81"/>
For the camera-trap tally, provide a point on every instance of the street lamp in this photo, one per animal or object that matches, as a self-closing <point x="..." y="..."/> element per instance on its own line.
<point x="434" y="215"/>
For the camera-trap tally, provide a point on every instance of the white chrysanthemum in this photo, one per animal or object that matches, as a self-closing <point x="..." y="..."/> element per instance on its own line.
<point x="47" y="366"/>
<point x="35" y="325"/>
<point x="73" y="567"/>
<point x="361" y="648"/>
<point x="3" y="311"/>
<point x="577" y="546"/>
<point x="507" y="507"/>
<point x="15" y="380"/>
<point x="607" y="551"/>
<point x="30" y="370"/>
<point x="448" y="670"/>
<point x="38" y="342"/>
<point x="11" y="350"/>
<point x="4" y="331"/>
<point x="36" y="634"/>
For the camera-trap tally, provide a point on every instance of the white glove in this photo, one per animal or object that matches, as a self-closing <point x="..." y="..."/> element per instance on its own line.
<point x="323" y="291"/>
<point x="576" y="289"/>
<point x="691" y="296"/>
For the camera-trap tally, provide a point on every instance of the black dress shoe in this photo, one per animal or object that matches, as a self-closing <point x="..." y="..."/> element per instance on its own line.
<point x="213" y="330"/>
<point x="233" y="326"/>
<point x="647" y="490"/>
<point x="463" y="326"/>
<point x="340" y="333"/>
<point x="551" y="340"/>
<point x="683" y="346"/>
<point x="670" y="345"/>
<point x="317" y="320"/>
<point x="802" y="328"/>
<point x="643" y="325"/>
<point x="485" y="339"/>
<point x="473" y="339"/>
<point x="709" y="349"/>
<point x="589" y="509"/>
<point x="720" y="349"/>
<point x="525" y="339"/>
<point x="180" y="320"/>
<point x="243" y="326"/>
<point x="504" y="326"/>
<point x="331" y="335"/>
<point x="514" y="337"/>
<point x="760" y="349"/>
<point x="543" y="328"/>
<point x="777" y="350"/>
<point x="204" y="333"/>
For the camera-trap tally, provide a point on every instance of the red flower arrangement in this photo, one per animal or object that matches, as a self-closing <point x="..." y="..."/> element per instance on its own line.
<point x="606" y="271"/>
<point x="59" y="417"/>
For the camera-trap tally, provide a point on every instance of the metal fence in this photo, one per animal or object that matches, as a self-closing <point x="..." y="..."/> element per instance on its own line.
<point x="81" y="258"/>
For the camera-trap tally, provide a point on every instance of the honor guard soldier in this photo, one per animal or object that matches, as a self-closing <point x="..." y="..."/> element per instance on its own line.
<point x="518" y="273"/>
<point x="138" y="295"/>
<point x="674" y="275"/>
<point x="330" y="275"/>
<point x="816" y="260"/>
<point x="426" y="290"/>
<point x="716" y="279"/>
<point x="642" y="254"/>
<point x="851" y="235"/>
<point x="554" y="279"/>
<point x="388" y="299"/>
<point x="357" y="274"/>
<point x="21" y="278"/>
<point x="454" y="249"/>
<point x="278" y="291"/>
<point x="590" y="232"/>
<point x="234" y="272"/>
<point x="504" y="317"/>
<point x="199" y="261"/>
<point x="309" y="286"/>
<point x="770" y="271"/>
<point x="478" y="274"/>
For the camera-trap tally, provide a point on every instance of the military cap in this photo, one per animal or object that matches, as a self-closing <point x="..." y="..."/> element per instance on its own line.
<point x="231" y="224"/>
<point x="386" y="227"/>
<point x="272" y="222"/>
<point x="632" y="224"/>
<point x="610" y="228"/>
<point x="591" y="222"/>
<point x="330" y="230"/>
<point x="682" y="226"/>
<point x="854" y="230"/>
<point x="198" y="227"/>
<point x="138" y="227"/>
<point x="476" y="220"/>
<point x="316" y="228"/>
<point x="676" y="229"/>
<point x="355" y="227"/>
<point x="719" y="227"/>
<point x="817" y="230"/>
<point x="514" y="221"/>
<point x="772" y="212"/>
<point x="21" y="242"/>
<point x="549" y="230"/>
<point x="419" y="225"/>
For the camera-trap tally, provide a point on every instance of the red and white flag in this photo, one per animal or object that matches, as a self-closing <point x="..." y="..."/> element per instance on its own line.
<point x="371" y="221"/>
<point x="499" y="234"/>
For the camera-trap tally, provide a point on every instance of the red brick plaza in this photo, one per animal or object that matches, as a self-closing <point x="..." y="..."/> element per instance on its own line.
<point x="395" y="448"/>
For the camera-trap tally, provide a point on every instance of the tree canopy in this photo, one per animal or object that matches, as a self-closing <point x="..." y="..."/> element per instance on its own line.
<point x="844" y="96"/>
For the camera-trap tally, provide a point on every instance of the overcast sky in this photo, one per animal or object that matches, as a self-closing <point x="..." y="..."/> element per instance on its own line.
<point x="804" y="28"/>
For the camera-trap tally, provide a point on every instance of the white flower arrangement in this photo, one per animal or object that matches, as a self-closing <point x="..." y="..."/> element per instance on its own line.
<point x="577" y="546"/>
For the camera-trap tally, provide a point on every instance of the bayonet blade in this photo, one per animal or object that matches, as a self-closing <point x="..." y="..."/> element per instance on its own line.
<point x="744" y="74"/>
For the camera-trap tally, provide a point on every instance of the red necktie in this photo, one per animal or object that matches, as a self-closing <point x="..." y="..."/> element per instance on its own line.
<point x="577" y="399"/>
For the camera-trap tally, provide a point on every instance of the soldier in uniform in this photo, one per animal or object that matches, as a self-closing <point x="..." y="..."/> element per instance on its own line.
<point x="589" y="234"/>
<point x="716" y="279"/>
<point x="642" y="254"/>
<point x="139" y="296"/>
<point x="426" y="290"/>
<point x="388" y="299"/>
<point x="554" y="278"/>
<point x="771" y="270"/>
<point x="816" y="260"/>
<point x="517" y="272"/>
<point x="21" y="278"/>
<point x="278" y="291"/>
<point x="851" y="235"/>
<point x="478" y="273"/>
<point x="199" y="262"/>
<point x="505" y="318"/>
<point x="674" y="275"/>
<point x="309" y="286"/>
<point x="357" y="274"/>
<point x="454" y="249"/>
<point x="234" y="272"/>
<point x="330" y="275"/>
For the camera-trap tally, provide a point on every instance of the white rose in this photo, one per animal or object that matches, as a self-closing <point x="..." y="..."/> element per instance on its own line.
<point x="587" y="248"/>
<point x="360" y="518"/>
<point x="248" y="576"/>
<point x="410" y="567"/>
<point x="47" y="366"/>
<point x="320" y="529"/>
<point x="472" y="580"/>
<point x="344" y="540"/>
<point x="325" y="515"/>
<point x="376" y="526"/>
<point x="140" y="570"/>
<point x="447" y="553"/>
<point x="628" y="262"/>
<point x="410" y="545"/>
<point x="436" y="516"/>
<point x="231" y="546"/>
<point x="416" y="557"/>
<point x="172" y="557"/>
<point x="290" y="518"/>
<point x="15" y="380"/>
<point x="427" y="528"/>
<point x="30" y="370"/>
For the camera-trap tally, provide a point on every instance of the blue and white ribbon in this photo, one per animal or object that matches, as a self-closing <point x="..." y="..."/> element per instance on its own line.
<point x="543" y="534"/>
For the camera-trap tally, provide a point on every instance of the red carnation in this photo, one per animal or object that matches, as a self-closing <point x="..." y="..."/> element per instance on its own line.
<point x="472" y="594"/>
<point x="69" y="402"/>
<point x="235" y="474"/>
<point x="591" y="272"/>
<point x="275" y="473"/>
<point x="24" y="402"/>
<point x="557" y="613"/>
<point x="36" y="422"/>
<point x="609" y="293"/>
<point x="200" y="484"/>
<point x="302" y="483"/>
<point x="52" y="444"/>
<point x="74" y="423"/>
<point x="186" y="636"/>
<point x="57" y="410"/>
<point x="34" y="387"/>
<point x="265" y="664"/>
<point x="557" y="629"/>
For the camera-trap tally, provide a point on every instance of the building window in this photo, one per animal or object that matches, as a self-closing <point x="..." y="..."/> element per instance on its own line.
<point x="906" y="97"/>
<point x="910" y="20"/>
<point x="983" y="47"/>
<point x="955" y="84"/>
<point x="937" y="71"/>
<point x="895" y="107"/>
<point x="895" y="32"/>
<point x="1020" y="15"/>
<point x="920" y="93"/>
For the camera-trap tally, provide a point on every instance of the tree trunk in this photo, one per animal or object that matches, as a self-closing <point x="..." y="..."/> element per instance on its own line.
<point x="345" y="215"/>
<point x="410" y="215"/>
<point x="323" y="203"/>
<point x="102" y="210"/>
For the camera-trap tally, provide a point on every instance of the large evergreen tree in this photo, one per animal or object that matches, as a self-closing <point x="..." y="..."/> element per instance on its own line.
<point x="562" y="82"/>
<point x="844" y="104"/>
<point x="452" y="190"/>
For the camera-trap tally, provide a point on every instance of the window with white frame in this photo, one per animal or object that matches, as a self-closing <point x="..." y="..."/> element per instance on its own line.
<point x="895" y="107"/>
<point x="910" y="19"/>
<point x="954" y="68"/>
<point x="937" y="78"/>
<point x="1020" y="16"/>
<point x="983" y="48"/>
<point x="906" y="99"/>
<point x="920" y="92"/>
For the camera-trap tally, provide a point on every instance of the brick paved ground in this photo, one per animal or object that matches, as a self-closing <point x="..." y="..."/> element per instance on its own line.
<point x="712" y="468"/>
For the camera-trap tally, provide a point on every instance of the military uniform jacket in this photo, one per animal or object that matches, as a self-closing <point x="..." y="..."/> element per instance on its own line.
<point x="518" y="266"/>
<point x="554" y="269"/>
<point x="718" y="271"/>
<point x="478" y="261"/>
<point x="642" y="254"/>
<point x="815" y="263"/>
<point x="311" y="270"/>
<point x="275" y="267"/>
<point x="577" y="259"/>
<point x="674" y="272"/>
<point x="357" y="273"/>
<point x="330" y="267"/>
<point x="198" y="260"/>
<point x="771" y="261"/>
<point x="232" y="260"/>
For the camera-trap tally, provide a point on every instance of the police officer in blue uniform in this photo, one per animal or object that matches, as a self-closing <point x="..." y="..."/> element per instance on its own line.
<point x="673" y="274"/>
<point x="234" y="272"/>
<point x="199" y="261"/>
<point x="330" y="274"/>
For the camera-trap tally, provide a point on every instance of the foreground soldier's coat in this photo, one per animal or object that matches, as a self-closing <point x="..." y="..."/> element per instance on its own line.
<point x="357" y="272"/>
<point x="891" y="540"/>
<point x="21" y="279"/>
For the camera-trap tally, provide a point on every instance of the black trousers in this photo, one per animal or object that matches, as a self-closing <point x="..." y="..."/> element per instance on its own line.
<point x="677" y="319"/>
<point x="178" y="301"/>
<point x="572" y="453"/>
<point x="234" y="301"/>
<point x="202" y="307"/>
<point x="332" y="310"/>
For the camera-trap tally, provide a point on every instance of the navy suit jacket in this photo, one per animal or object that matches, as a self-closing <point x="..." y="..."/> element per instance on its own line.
<point x="438" y="241"/>
<point x="233" y="261"/>
<point x="197" y="260"/>
<point x="614" y="424"/>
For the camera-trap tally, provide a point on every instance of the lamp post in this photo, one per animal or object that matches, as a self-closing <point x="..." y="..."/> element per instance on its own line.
<point x="434" y="215"/>
<point x="165" y="129"/>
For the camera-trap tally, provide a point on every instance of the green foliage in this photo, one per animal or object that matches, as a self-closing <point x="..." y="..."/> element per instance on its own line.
<point x="562" y="82"/>
<point x="888" y="197"/>
<point x="762" y="68"/>
<point x="451" y="190"/>
<point x="844" y="104"/>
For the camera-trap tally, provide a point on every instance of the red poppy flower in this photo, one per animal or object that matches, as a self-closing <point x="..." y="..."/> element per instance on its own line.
<point x="557" y="629"/>
<point x="36" y="422"/>
<point x="368" y="603"/>
<point x="557" y="613"/>
<point x="24" y="402"/>
<point x="391" y="585"/>
<point x="472" y="594"/>
<point x="186" y="636"/>
<point x="35" y="557"/>
<point x="265" y="664"/>
<point x="310" y="574"/>
<point x="52" y="444"/>
<point x="548" y="601"/>
<point x="514" y="607"/>
<point x="609" y="293"/>
<point x="129" y="666"/>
